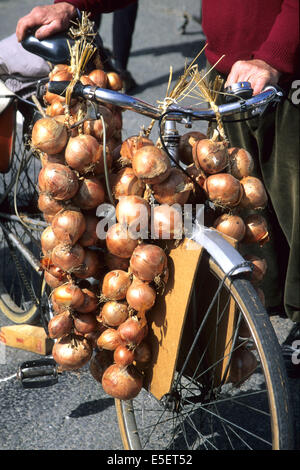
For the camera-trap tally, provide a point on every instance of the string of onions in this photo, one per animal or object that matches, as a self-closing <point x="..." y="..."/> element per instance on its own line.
<point x="133" y="268"/>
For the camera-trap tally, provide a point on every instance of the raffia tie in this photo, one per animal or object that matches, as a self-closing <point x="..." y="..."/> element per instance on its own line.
<point x="215" y="108"/>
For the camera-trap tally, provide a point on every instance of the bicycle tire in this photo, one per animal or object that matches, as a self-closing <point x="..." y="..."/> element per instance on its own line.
<point x="21" y="286"/>
<point x="132" y="414"/>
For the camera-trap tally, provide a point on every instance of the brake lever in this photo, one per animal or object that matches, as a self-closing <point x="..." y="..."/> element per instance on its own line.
<point x="260" y="110"/>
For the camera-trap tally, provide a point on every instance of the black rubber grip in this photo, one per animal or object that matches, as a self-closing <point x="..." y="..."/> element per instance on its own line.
<point x="59" y="88"/>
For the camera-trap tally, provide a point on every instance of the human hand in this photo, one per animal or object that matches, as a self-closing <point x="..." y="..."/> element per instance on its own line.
<point x="255" y="71"/>
<point x="50" y="19"/>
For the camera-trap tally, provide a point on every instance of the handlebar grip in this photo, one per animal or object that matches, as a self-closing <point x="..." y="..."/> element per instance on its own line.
<point x="59" y="88"/>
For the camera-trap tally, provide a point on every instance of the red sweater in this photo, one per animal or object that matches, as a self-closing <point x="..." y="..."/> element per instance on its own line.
<point x="252" y="29"/>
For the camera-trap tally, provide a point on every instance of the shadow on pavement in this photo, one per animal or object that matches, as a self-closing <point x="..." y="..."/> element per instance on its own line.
<point x="91" y="407"/>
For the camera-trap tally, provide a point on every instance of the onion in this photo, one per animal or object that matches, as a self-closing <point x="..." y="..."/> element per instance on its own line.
<point x="197" y="174"/>
<point x="223" y="189"/>
<point x="151" y="164"/>
<point x="58" y="75"/>
<point x="85" y="322"/>
<point x="241" y="162"/>
<point x="56" y="158"/>
<point x="49" y="135"/>
<point x="148" y="261"/>
<point x="68" y="120"/>
<point x="118" y="123"/>
<point x="58" y="308"/>
<point x="60" y="325"/>
<point x="115" y="262"/>
<point x="142" y="354"/>
<point x="53" y="281"/>
<point x="85" y="80"/>
<point x="82" y="152"/>
<point x="48" y="205"/>
<point x="231" y="225"/>
<point x="98" y="168"/>
<point x="133" y="211"/>
<point x="132" y="331"/>
<point x="119" y="242"/>
<point x="131" y="145"/>
<point x="125" y="183"/>
<point x="68" y="295"/>
<point x="72" y="352"/>
<point x="68" y="226"/>
<point x="68" y="258"/>
<point x="48" y="240"/>
<point x="95" y="127"/>
<point x="57" y="272"/>
<point x="109" y="339"/>
<point x="256" y="229"/>
<point x="48" y="218"/>
<point x="99" y="363"/>
<point x="123" y="383"/>
<point x="56" y="108"/>
<point x="259" y="268"/>
<point x="58" y="68"/>
<point x="115" y="284"/>
<point x="186" y="143"/>
<point x="50" y="98"/>
<point x="90" y="302"/>
<point x="254" y="195"/>
<point x="114" y="81"/>
<point x="91" y="193"/>
<point x="140" y="296"/>
<point x="99" y="77"/>
<point x="59" y="181"/>
<point x="91" y="265"/>
<point x="210" y="155"/>
<point x="114" y="313"/>
<point x="167" y="222"/>
<point x="175" y="189"/>
<point x="89" y="236"/>
<point x="93" y="336"/>
<point x="123" y="356"/>
<point x="199" y="196"/>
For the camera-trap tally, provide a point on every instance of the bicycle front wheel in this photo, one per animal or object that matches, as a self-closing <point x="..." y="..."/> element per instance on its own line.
<point x="217" y="401"/>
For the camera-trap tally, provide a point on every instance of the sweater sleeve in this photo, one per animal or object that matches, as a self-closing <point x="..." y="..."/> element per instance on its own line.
<point x="281" y="48"/>
<point x="98" y="6"/>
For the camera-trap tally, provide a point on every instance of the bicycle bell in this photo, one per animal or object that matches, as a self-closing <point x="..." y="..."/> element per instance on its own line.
<point x="240" y="89"/>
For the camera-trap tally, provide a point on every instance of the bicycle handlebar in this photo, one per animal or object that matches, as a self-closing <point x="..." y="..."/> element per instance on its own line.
<point x="175" y="112"/>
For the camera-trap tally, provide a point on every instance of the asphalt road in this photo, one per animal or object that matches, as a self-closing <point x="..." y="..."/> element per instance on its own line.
<point x="76" y="414"/>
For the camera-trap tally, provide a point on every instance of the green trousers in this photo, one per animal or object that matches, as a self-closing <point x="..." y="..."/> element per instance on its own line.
<point x="273" y="141"/>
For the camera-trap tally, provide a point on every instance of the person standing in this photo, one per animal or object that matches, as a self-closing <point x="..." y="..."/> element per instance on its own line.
<point x="123" y="26"/>
<point x="261" y="45"/>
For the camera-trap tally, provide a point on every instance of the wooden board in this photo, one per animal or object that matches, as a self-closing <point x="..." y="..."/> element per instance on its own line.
<point x="27" y="337"/>
<point x="171" y="336"/>
<point x="166" y="320"/>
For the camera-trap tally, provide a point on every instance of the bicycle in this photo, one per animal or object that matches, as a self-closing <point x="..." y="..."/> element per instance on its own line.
<point x="195" y="406"/>
<point x="21" y="280"/>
